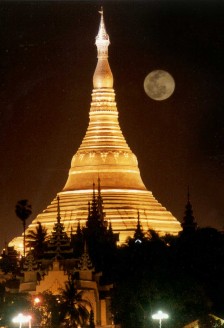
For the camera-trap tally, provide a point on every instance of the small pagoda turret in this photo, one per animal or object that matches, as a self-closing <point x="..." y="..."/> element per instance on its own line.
<point x="139" y="234"/>
<point x="59" y="245"/>
<point x="189" y="224"/>
<point x="96" y="216"/>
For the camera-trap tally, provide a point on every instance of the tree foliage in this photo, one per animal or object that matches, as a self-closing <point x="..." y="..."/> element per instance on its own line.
<point x="73" y="307"/>
<point x="37" y="240"/>
<point x="210" y="321"/>
<point x="181" y="275"/>
<point x="23" y="210"/>
<point x="47" y="310"/>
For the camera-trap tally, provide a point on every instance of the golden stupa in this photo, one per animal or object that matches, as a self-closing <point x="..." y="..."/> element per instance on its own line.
<point x="105" y="154"/>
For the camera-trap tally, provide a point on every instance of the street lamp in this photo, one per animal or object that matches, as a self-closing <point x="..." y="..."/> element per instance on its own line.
<point x="21" y="318"/>
<point x="36" y="300"/>
<point x="160" y="315"/>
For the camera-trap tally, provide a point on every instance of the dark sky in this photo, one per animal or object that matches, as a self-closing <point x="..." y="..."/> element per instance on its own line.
<point x="47" y="62"/>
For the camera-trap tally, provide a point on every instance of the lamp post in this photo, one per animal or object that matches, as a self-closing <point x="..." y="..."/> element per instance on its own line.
<point x="160" y="315"/>
<point x="21" y="318"/>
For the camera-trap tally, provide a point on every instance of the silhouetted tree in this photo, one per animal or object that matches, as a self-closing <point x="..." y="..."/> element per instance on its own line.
<point x="37" y="240"/>
<point x="91" y="319"/>
<point x="73" y="308"/>
<point x="155" y="274"/>
<point x="23" y="211"/>
<point x="209" y="321"/>
<point x="47" y="311"/>
<point x="9" y="261"/>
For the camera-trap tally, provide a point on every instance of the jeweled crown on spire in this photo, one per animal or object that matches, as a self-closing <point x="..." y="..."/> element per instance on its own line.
<point x="102" y="33"/>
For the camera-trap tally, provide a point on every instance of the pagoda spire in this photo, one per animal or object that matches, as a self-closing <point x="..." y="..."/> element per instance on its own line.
<point x="138" y="235"/>
<point x="78" y="230"/>
<point x="102" y="37"/>
<point x="85" y="262"/>
<point x="188" y="224"/>
<point x="95" y="217"/>
<point x="59" y="243"/>
<point x="103" y="77"/>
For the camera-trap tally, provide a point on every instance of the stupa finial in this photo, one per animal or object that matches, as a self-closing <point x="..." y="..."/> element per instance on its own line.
<point x="102" y="33"/>
<point x="103" y="77"/>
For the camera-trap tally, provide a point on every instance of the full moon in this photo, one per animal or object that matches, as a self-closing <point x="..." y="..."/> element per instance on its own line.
<point x="159" y="85"/>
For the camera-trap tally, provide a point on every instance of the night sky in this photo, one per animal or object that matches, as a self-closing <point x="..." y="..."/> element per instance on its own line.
<point x="47" y="61"/>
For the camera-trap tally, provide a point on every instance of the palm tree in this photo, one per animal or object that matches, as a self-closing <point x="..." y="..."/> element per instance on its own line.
<point x="36" y="240"/>
<point x="74" y="311"/>
<point x="91" y="319"/>
<point x="23" y="211"/>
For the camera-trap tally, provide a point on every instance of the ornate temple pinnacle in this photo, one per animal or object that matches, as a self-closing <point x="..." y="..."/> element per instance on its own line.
<point x="102" y="36"/>
<point x="103" y="77"/>
<point x="189" y="224"/>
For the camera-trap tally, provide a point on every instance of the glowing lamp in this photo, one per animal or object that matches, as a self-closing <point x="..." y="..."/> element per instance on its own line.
<point x="36" y="300"/>
<point x="160" y="315"/>
<point x="21" y="318"/>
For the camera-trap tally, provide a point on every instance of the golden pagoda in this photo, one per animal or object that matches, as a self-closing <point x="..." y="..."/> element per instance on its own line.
<point x="104" y="154"/>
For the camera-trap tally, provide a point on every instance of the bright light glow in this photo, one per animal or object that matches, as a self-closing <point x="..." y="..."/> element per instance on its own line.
<point x="21" y="318"/>
<point x="36" y="300"/>
<point x="160" y="315"/>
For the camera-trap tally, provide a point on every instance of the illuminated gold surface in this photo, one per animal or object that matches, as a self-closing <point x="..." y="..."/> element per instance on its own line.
<point x="104" y="153"/>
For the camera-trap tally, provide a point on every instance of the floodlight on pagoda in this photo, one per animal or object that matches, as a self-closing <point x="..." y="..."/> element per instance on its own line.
<point x="160" y="315"/>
